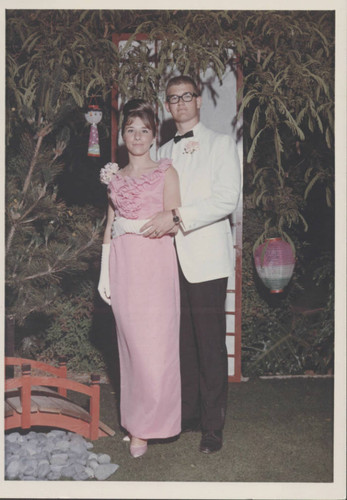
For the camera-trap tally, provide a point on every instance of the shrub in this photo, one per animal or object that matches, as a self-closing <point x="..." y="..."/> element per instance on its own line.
<point x="70" y="333"/>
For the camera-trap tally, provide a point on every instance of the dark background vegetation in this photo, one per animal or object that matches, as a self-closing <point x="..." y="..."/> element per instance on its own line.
<point x="55" y="205"/>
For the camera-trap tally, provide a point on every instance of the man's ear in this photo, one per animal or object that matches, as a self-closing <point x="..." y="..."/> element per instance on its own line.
<point x="167" y="107"/>
<point x="198" y="102"/>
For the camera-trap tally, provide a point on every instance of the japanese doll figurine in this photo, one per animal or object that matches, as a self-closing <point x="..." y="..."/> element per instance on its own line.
<point x="93" y="116"/>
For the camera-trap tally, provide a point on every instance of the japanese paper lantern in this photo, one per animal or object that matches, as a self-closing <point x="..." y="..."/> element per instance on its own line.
<point x="93" y="116"/>
<point x="274" y="261"/>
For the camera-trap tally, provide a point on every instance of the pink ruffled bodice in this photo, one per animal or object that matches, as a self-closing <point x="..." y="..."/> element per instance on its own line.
<point x="139" y="197"/>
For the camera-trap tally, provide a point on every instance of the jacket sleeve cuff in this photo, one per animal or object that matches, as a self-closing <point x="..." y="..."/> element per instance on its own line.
<point x="188" y="215"/>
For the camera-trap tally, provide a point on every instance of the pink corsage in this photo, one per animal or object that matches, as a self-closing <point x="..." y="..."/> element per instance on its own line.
<point x="108" y="171"/>
<point x="191" y="147"/>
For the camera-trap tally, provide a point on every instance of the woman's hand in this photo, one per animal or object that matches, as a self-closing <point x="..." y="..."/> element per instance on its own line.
<point x="160" y="224"/>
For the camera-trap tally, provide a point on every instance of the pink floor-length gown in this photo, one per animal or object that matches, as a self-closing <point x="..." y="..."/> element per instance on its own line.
<point x="145" y="303"/>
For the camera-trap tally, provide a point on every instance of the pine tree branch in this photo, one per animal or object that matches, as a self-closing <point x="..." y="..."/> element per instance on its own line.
<point x="56" y="269"/>
<point x="31" y="208"/>
<point x="32" y="165"/>
<point x="10" y="238"/>
<point x="15" y="225"/>
<point x="50" y="271"/>
<point x="41" y="134"/>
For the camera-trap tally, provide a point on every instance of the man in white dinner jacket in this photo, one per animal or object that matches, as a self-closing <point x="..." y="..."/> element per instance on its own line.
<point x="209" y="171"/>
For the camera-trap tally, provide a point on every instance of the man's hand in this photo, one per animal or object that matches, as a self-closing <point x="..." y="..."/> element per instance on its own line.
<point x="160" y="224"/>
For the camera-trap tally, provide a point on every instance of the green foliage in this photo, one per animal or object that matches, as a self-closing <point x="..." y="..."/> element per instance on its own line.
<point x="70" y="333"/>
<point x="287" y="341"/>
<point x="289" y="333"/>
<point x="288" y="107"/>
<point x="45" y="239"/>
<point x="287" y="59"/>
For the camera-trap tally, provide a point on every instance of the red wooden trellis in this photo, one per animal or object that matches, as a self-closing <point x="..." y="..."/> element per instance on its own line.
<point x="236" y="221"/>
<point x="234" y="354"/>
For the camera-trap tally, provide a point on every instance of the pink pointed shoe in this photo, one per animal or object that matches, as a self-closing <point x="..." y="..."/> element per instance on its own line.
<point x="137" y="451"/>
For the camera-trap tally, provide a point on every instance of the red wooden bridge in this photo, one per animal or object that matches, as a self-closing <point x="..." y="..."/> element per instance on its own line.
<point x="33" y="400"/>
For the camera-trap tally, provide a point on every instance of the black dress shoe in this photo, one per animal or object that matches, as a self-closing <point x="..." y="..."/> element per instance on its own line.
<point x="190" y="425"/>
<point x="211" y="441"/>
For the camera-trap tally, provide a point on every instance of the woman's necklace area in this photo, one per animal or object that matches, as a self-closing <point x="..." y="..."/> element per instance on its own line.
<point x="139" y="172"/>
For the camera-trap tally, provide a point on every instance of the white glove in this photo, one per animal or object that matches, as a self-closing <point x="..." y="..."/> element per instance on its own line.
<point x="117" y="227"/>
<point x="122" y="226"/>
<point x="104" y="281"/>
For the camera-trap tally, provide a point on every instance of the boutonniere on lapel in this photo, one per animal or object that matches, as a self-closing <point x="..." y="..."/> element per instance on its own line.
<point x="191" y="147"/>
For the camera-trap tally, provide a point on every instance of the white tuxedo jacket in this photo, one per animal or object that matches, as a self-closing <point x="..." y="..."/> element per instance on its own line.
<point x="209" y="171"/>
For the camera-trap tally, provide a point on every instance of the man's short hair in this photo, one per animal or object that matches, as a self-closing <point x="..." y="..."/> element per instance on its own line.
<point x="177" y="80"/>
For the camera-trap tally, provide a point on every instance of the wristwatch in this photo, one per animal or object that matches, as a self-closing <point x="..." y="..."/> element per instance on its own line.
<point x="175" y="217"/>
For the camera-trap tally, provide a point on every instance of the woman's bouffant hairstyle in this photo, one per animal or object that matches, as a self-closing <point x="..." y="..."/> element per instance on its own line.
<point x="141" y="109"/>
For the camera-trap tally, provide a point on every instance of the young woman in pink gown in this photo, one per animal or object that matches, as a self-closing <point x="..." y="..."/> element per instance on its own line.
<point x="139" y="279"/>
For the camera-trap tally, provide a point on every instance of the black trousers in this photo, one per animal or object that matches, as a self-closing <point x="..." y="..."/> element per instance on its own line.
<point x="203" y="353"/>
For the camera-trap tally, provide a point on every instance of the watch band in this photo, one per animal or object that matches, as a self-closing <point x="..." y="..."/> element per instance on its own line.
<point x="175" y="217"/>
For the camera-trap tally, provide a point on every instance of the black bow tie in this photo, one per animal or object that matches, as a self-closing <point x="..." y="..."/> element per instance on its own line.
<point x="177" y="138"/>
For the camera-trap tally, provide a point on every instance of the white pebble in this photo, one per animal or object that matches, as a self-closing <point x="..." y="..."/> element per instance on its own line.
<point x="13" y="448"/>
<point x="89" y="471"/>
<point x="29" y="467"/>
<point x="31" y="435"/>
<point x="11" y="458"/>
<point x="56" y="468"/>
<point x="13" y="437"/>
<point x="13" y="469"/>
<point x="43" y="469"/>
<point x="104" y="459"/>
<point x="104" y="471"/>
<point x="32" y="448"/>
<point x="57" y="433"/>
<point x="59" y="459"/>
<point x="62" y="445"/>
<point x="67" y="472"/>
<point x="93" y="464"/>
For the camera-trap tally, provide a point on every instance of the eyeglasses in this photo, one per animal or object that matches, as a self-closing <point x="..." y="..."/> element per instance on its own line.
<point x="186" y="97"/>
